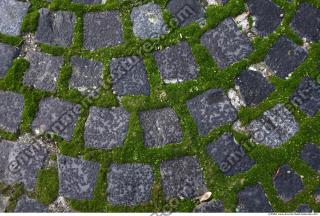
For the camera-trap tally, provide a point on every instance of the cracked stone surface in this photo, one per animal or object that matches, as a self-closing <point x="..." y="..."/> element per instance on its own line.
<point x="311" y="155"/>
<point x="106" y="128"/>
<point x="57" y="117"/>
<point x="287" y="183"/>
<point x="211" y="110"/>
<point x="307" y="96"/>
<point x="11" y="108"/>
<point x="275" y="127"/>
<point x="129" y="184"/>
<point x="229" y="155"/>
<point x="304" y="208"/>
<point x="7" y="54"/>
<point x="186" y="11"/>
<point x="254" y="88"/>
<point x="55" y="28"/>
<point x="148" y="21"/>
<point x="102" y="29"/>
<point x="212" y="206"/>
<point x="77" y="178"/>
<point x="86" y="75"/>
<point x="43" y="72"/>
<point x="176" y="63"/>
<point x="285" y="57"/>
<point x="226" y="43"/>
<point x="20" y="163"/>
<point x="267" y="16"/>
<point x="129" y="76"/>
<point x="28" y="205"/>
<point x="12" y="14"/>
<point x="160" y="127"/>
<point x="253" y="199"/>
<point x="182" y="178"/>
<point x="306" y="22"/>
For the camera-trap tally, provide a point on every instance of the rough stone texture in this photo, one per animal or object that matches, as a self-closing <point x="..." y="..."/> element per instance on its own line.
<point x="11" y="108"/>
<point x="275" y="127"/>
<point x="253" y="199"/>
<point x="307" y="96"/>
<point x="129" y="184"/>
<point x="311" y="155"/>
<point x="229" y="155"/>
<point x="306" y="22"/>
<point x="87" y="1"/>
<point x="226" y="43"/>
<point x="28" y="205"/>
<point x="182" y="178"/>
<point x="186" y="11"/>
<point x="209" y="207"/>
<point x="148" y="21"/>
<point x="57" y="117"/>
<point x="7" y="54"/>
<point x="285" y="57"/>
<point x="19" y="163"/>
<point x="77" y="178"/>
<point x="267" y="16"/>
<point x="160" y="127"/>
<point x="55" y="28"/>
<point x="106" y="128"/>
<point x="4" y="201"/>
<point x="210" y="110"/>
<point x="287" y="183"/>
<point x="176" y="63"/>
<point x="12" y="14"/>
<point x="102" y="29"/>
<point x="304" y="208"/>
<point x="129" y="76"/>
<point x="86" y="75"/>
<point x="43" y="71"/>
<point x="254" y="88"/>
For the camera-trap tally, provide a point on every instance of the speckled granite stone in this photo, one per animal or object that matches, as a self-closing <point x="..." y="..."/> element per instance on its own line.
<point x="28" y="205"/>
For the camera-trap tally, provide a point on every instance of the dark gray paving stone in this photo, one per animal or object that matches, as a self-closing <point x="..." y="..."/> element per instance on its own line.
<point x="226" y="43"/>
<point x="176" y="63"/>
<point x="12" y="14"/>
<point x="57" y="117"/>
<point x="275" y="127"/>
<point x="160" y="127"/>
<point x="306" y="22"/>
<point x="211" y="110"/>
<point x="86" y="75"/>
<point x="87" y="1"/>
<point x="77" y="178"/>
<point x="267" y="16"/>
<point x="106" y="128"/>
<point x="285" y="57"/>
<point x="7" y="54"/>
<point x="186" y="11"/>
<point x="254" y="88"/>
<point x="129" y="76"/>
<point x="129" y="184"/>
<point x="43" y="72"/>
<point x="102" y="29"/>
<point x="317" y="195"/>
<point x="287" y="183"/>
<point x="148" y="21"/>
<point x="311" y="155"/>
<point x="19" y="163"/>
<point x="209" y="207"/>
<point x="253" y="199"/>
<point x="304" y="208"/>
<point x="28" y="205"/>
<point x="11" y="108"/>
<point x="55" y="28"/>
<point x="182" y="178"/>
<point x="307" y="96"/>
<point x="229" y="155"/>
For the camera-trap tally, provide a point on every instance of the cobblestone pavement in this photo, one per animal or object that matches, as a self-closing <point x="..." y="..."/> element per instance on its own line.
<point x="159" y="106"/>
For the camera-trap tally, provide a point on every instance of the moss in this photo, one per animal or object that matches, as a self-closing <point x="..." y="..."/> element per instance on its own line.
<point x="47" y="185"/>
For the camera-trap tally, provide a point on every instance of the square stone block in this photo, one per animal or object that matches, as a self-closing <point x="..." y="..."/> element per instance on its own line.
<point x="7" y="54"/>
